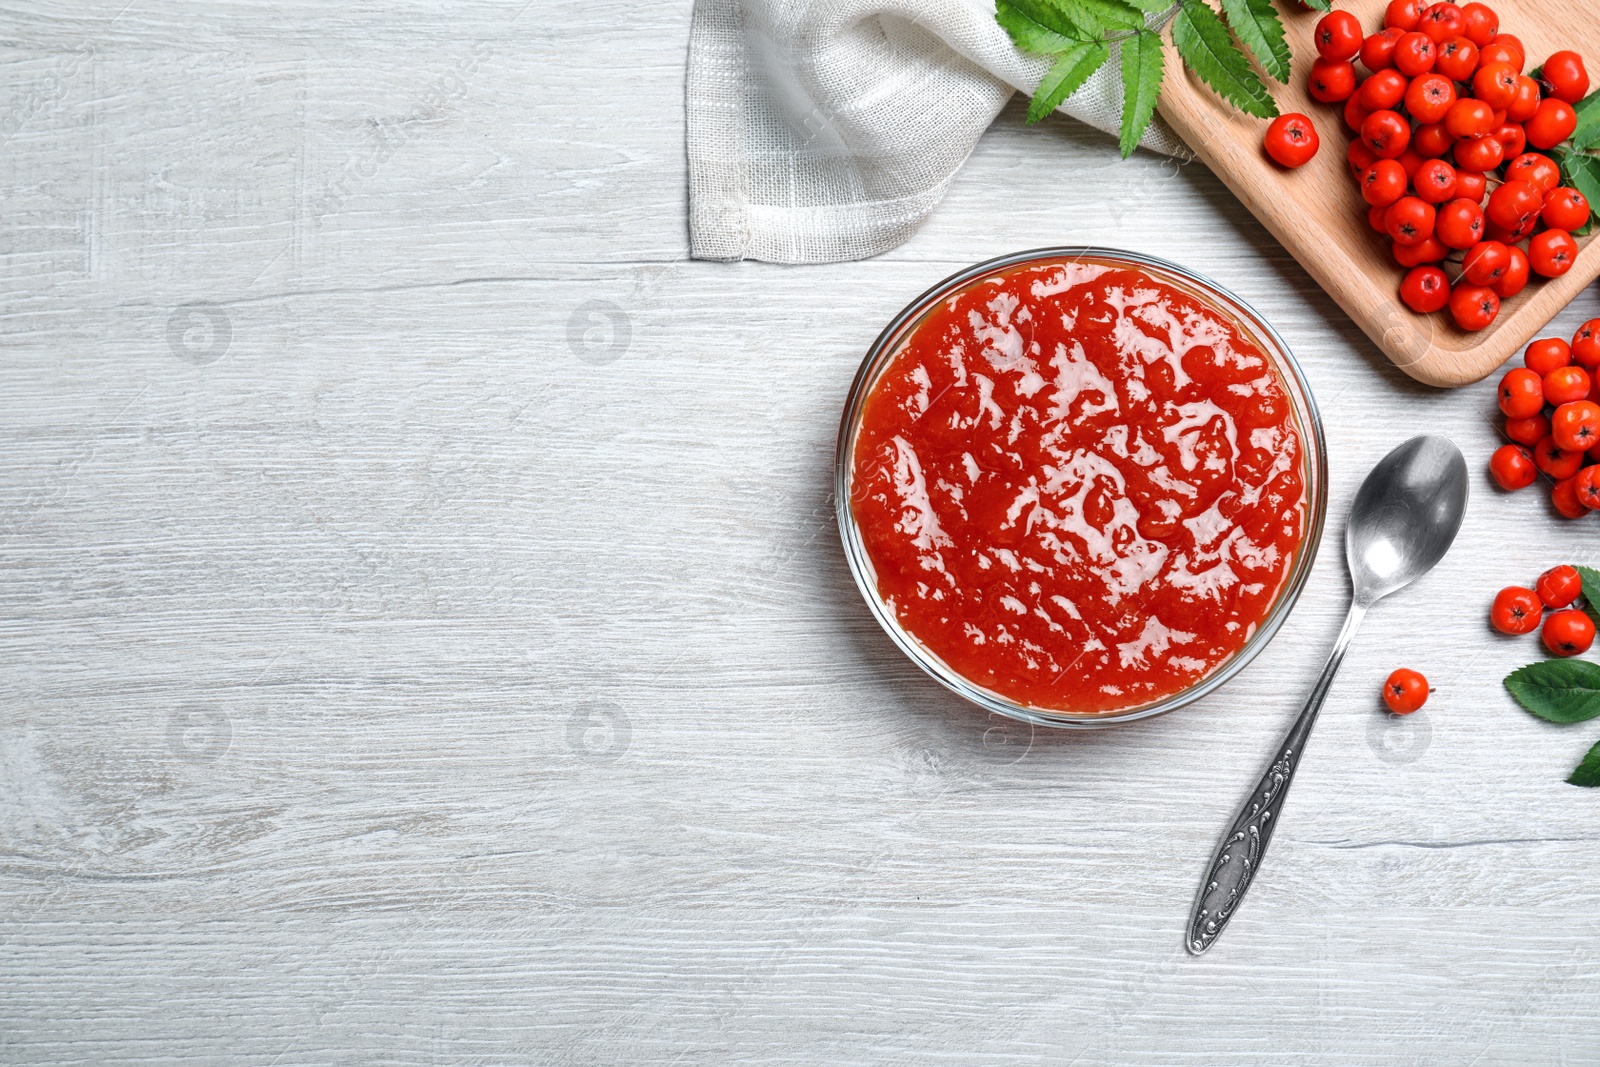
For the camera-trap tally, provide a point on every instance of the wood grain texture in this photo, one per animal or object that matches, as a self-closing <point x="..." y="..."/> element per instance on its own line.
<point x="1317" y="212"/>
<point x="458" y="664"/>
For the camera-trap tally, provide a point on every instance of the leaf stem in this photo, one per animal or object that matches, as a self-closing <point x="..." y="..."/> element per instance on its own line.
<point x="1166" y="16"/>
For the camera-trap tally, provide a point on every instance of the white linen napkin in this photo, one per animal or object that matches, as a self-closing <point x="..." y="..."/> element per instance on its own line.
<point x="827" y="130"/>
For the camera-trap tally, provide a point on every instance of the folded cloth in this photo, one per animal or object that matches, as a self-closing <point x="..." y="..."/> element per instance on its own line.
<point x="827" y="130"/>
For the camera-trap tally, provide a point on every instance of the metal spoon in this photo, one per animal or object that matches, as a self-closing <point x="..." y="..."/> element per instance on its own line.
<point x="1403" y="520"/>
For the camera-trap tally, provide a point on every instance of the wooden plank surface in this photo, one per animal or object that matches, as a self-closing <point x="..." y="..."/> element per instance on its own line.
<point x="1317" y="212"/>
<point x="437" y="648"/>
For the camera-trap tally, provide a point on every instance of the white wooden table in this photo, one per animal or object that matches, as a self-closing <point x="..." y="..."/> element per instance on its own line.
<point x="425" y="636"/>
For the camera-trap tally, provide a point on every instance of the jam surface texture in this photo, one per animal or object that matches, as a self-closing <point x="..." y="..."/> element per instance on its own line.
<point x="1079" y="487"/>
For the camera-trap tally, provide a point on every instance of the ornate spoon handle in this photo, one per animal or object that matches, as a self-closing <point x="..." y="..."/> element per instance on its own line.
<point x="1233" y="867"/>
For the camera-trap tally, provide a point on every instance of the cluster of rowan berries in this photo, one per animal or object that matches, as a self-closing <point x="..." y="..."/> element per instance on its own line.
<point x="1552" y="410"/>
<point x="1567" y="631"/>
<point x="1445" y="118"/>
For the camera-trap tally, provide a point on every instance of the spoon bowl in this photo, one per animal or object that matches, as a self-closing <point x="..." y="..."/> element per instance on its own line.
<point x="1405" y="516"/>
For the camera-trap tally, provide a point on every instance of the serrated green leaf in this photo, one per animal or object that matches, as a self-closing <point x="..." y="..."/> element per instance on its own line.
<point x="1255" y="23"/>
<point x="1063" y="79"/>
<point x="1038" y="26"/>
<point x="1141" y="86"/>
<point x="1208" y="50"/>
<point x="1558" y="690"/>
<point x="1591" y="591"/>
<point x="1320" y="5"/>
<point x="1587" y="134"/>
<point x="1153" y="7"/>
<point x="1581" y="171"/>
<point x="1102" y="16"/>
<point x="1587" y="772"/>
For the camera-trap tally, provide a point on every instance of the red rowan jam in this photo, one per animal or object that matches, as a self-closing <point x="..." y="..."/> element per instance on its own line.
<point x="1079" y="487"/>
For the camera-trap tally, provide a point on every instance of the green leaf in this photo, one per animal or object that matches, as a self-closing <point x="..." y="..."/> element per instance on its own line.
<point x="1037" y="26"/>
<point x="1558" y="690"/>
<point x="1587" y="135"/>
<point x="1141" y="86"/>
<point x="1581" y="171"/>
<point x="1587" y="772"/>
<point x="1255" y="23"/>
<point x="1591" y="591"/>
<point x="1063" y="79"/>
<point x="1208" y="50"/>
<point x="1102" y="16"/>
<point x="1320" y="5"/>
<point x="1153" y="7"/>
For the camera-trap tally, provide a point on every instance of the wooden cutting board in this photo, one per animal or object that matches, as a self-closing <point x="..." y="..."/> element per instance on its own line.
<point x="1318" y="214"/>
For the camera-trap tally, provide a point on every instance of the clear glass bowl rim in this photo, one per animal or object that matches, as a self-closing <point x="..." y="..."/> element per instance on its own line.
<point x="1301" y="400"/>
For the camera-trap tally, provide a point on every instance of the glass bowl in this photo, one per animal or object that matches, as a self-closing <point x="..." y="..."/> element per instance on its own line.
<point x="1240" y="315"/>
